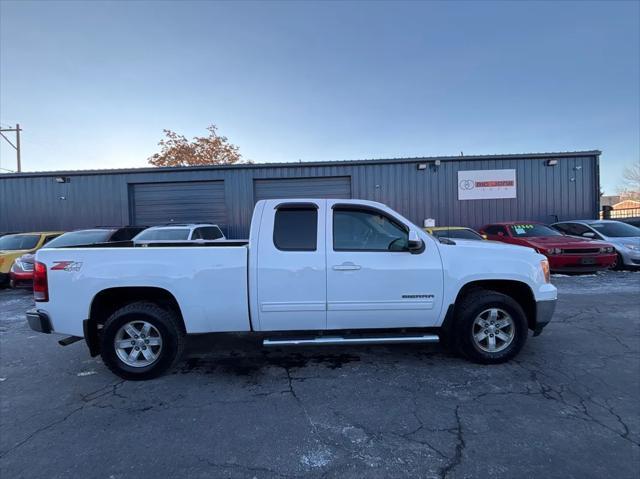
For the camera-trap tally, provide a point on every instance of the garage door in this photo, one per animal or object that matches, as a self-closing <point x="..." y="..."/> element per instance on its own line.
<point x="328" y="187"/>
<point x="184" y="202"/>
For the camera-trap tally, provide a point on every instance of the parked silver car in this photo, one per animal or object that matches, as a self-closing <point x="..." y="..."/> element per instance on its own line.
<point x="624" y="237"/>
<point x="181" y="232"/>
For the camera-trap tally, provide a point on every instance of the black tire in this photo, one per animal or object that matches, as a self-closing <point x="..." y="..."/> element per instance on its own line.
<point x="619" y="264"/>
<point x="472" y="305"/>
<point x="166" y="323"/>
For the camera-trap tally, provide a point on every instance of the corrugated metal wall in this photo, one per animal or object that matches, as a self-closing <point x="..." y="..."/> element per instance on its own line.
<point x="567" y="190"/>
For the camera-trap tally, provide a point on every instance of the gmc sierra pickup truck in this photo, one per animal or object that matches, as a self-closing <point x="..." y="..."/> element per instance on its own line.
<point x="314" y="272"/>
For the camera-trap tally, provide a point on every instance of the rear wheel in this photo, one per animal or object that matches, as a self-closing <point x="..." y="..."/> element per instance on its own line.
<point x="490" y="327"/>
<point x="141" y="340"/>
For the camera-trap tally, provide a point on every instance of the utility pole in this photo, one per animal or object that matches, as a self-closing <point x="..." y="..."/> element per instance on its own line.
<point x="16" y="147"/>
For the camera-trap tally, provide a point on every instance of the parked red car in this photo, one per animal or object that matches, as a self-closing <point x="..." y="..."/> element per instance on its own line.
<point x="565" y="253"/>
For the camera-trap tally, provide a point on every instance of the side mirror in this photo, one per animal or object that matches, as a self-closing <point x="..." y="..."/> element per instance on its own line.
<point x="589" y="234"/>
<point x="416" y="245"/>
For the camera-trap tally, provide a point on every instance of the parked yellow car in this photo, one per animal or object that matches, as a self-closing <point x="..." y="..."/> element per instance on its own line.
<point x="454" y="232"/>
<point x="14" y="246"/>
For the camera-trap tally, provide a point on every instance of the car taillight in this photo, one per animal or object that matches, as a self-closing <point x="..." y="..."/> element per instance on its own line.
<point x="40" y="283"/>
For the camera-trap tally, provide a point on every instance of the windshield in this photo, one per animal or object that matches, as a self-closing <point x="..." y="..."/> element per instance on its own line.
<point x="18" y="242"/>
<point x="161" y="234"/>
<point x="76" y="238"/>
<point x="457" y="234"/>
<point x="616" y="230"/>
<point x="529" y="230"/>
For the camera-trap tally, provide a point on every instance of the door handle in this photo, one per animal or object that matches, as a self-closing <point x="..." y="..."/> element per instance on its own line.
<point x="346" y="267"/>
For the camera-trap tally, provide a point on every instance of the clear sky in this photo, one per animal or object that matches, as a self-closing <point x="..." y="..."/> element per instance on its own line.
<point x="94" y="83"/>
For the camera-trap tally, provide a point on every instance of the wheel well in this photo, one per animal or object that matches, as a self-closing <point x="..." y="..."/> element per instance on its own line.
<point x="520" y="292"/>
<point x="109" y="300"/>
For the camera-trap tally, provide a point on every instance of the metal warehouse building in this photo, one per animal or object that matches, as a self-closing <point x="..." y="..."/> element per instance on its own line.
<point x="465" y="190"/>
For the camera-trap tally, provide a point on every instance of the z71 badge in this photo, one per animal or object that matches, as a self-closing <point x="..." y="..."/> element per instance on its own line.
<point x="66" y="266"/>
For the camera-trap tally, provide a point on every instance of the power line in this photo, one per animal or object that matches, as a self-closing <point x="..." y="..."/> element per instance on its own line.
<point x="16" y="147"/>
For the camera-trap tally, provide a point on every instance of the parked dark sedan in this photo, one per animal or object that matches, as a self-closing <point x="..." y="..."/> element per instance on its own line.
<point x="21" y="273"/>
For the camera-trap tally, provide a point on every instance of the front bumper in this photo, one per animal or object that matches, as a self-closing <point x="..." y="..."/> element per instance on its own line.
<point x="576" y="263"/>
<point x="39" y="321"/>
<point x="544" y="312"/>
<point x="630" y="257"/>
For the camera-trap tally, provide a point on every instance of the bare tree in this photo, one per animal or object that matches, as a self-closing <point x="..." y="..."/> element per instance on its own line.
<point x="630" y="189"/>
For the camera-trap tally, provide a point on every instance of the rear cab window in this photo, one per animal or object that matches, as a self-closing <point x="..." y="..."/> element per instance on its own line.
<point x="296" y="228"/>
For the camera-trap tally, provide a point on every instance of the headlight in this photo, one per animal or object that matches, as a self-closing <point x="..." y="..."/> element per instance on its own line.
<point x="608" y="249"/>
<point x="555" y="251"/>
<point x="544" y="264"/>
<point x="634" y="247"/>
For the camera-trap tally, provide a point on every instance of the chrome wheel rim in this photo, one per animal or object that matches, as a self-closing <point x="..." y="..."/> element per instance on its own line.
<point x="493" y="330"/>
<point x="138" y="344"/>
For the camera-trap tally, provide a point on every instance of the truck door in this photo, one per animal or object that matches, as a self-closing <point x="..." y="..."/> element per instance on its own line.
<point x="373" y="280"/>
<point x="291" y="266"/>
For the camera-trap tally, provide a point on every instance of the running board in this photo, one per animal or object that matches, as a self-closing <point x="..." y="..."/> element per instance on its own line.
<point x="337" y="341"/>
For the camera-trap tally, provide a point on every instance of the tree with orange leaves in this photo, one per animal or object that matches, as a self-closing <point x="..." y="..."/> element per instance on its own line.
<point x="177" y="150"/>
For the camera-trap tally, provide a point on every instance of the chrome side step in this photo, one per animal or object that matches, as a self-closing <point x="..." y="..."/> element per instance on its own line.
<point x="336" y="341"/>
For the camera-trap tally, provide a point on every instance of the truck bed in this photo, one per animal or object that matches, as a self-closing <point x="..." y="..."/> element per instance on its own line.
<point x="209" y="284"/>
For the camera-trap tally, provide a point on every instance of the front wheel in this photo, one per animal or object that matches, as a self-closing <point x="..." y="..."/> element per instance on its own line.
<point x="619" y="262"/>
<point x="490" y="328"/>
<point x="141" y="340"/>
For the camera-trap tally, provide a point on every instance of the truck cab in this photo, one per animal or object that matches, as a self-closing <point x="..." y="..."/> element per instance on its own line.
<point x="341" y="264"/>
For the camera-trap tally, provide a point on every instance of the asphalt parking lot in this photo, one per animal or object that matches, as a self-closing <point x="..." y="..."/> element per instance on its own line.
<point x="567" y="407"/>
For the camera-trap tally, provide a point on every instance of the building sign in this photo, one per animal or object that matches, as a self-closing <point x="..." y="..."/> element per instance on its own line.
<point x="486" y="184"/>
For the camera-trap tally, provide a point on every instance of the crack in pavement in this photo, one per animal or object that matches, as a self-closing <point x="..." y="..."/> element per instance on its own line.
<point x="460" y="445"/>
<point x="110" y="389"/>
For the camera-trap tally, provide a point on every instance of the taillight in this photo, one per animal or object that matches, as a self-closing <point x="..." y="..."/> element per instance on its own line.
<point x="40" y="283"/>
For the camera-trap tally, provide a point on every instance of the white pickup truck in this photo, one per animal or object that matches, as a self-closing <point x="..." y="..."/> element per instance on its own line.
<point x="314" y="272"/>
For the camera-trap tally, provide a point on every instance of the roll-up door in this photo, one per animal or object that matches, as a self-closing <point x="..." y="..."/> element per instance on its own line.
<point x="182" y="202"/>
<point x="323" y="187"/>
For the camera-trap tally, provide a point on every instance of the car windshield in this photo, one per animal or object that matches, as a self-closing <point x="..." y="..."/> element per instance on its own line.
<point x="527" y="230"/>
<point x="616" y="230"/>
<point x="18" y="242"/>
<point x="76" y="238"/>
<point x="163" y="234"/>
<point x="457" y="234"/>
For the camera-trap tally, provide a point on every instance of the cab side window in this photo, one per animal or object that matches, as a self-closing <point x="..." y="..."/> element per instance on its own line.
<point x="364" y="230"/>
<point x="296" y="229"/>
